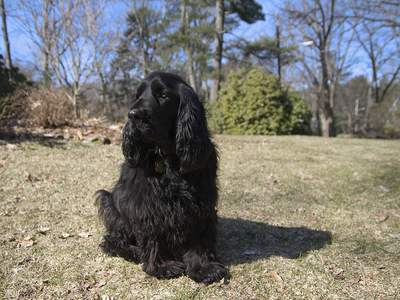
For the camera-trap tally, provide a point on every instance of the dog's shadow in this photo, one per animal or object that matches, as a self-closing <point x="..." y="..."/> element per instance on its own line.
<point x="242" y="240"/>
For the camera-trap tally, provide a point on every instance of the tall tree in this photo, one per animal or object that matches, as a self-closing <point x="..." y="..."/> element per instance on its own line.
<point x="103" y="41"/>
<point x="385" y="14"/>
<point x="191" y="36"/>
<point x="352" y="104"/>
<point x="384" y="62"/>
<point x="219" y="43"/>
<point x="278" y="47"/>
<point x="377" y="27"/>
<point x="269" y="52"/>
<point x="146" y="32"/>
<point x="325" y="40"/>
<point x="144" y="47"/>
<point x="248" y="11"/>
<point x="187" y="45"/>
<point x="40" y="20"/>
<point x="6" y="40"/>
<point x="71" y="58"/>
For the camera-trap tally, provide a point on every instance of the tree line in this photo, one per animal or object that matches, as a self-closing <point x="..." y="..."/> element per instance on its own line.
<point x="340" y="56"/>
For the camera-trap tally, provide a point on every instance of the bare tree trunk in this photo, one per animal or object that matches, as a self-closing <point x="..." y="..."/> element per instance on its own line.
<point x="219" y="40"/>
<point x="104" y="89"/>
<point x="278" y="47"/>
<point x="192" y="78"/>
<point x="5" y="35"/>
<point x="365" y="125"/>
<point x="47" y="43"/>
<point x="76" y="99"/>
<point x="327" y="122"/>
<point x="145" y="63"/>
<point x="350" y="126"/>
<point x="326" y="96"/>
<point x="187" y="46"/>
<point x="322" y="26"/>
<point x="355" y="126"/>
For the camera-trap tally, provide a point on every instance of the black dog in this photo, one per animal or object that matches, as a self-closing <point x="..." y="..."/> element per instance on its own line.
<point x="162" y="211"/>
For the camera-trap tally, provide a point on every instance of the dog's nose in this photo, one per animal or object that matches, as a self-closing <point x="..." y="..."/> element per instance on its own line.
<point x="134" y="114"/>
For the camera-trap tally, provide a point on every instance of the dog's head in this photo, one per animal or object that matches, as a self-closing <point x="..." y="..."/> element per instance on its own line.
<point x="167" y="113"/>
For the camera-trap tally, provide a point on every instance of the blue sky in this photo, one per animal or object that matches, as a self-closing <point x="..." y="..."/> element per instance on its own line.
<point x="23" y="50"/>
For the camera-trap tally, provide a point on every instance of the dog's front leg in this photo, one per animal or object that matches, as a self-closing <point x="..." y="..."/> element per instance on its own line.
<point x="155" y="266"/>
<point x="200" y="259"/>
<point x="150" y="253"/>
<point x="201" y="266"/>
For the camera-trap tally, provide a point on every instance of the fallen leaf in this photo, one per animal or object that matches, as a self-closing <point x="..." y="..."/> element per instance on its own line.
<point x="27" y="238"/>
<point x="43" y="230"/>
<point x="65" y="235"/>
<point x="84" y="234"/>
<point x="114" y="127"/>
<point x="88" y="132"/>
<point x="384" y="189"/>
<point x="276" y="277"/>
<point x="49" y="135"/>
<point x="26" y="242"/>
<point x="11" y="147"/>
<point x="383" y="218"/>
<point x="24" y="261"/>
<point x="101" y="283"/>
<point x="339" y="274"/>
<point x="79" y="135"/>
<point x="32" y="178"/>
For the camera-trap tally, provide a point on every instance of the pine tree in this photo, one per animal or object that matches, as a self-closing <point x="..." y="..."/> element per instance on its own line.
<point x="227" y="16"/>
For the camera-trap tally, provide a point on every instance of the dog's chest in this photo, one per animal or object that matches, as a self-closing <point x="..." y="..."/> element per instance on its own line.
<point x="164" y="205"/>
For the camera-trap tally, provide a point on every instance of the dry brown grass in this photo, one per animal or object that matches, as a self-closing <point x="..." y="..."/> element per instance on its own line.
<point x="282" y="199"/>
<point x="38" y="106"/>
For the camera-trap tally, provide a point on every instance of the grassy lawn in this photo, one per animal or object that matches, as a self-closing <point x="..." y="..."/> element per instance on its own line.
<point x="300" y="217"/>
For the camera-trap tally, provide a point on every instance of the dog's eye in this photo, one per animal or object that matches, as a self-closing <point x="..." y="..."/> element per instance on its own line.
<point x="163" y="97"/>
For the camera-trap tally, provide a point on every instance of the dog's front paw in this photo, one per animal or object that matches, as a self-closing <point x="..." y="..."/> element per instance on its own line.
<point x="209" y="273"/>
<point x="168" y="269"/>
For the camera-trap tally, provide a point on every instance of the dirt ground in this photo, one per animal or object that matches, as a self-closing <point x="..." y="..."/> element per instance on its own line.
<point x="300" y="218"/>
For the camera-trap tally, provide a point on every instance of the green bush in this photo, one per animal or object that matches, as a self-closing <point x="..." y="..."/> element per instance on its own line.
<point x="300" y="117"/>
<point x="255" y="103"/>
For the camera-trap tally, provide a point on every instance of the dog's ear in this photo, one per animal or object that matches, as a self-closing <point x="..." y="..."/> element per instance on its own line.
<point x="193" y="144"/>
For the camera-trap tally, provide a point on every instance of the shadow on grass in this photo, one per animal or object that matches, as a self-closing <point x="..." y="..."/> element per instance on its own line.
<point x="242" y="241"/>
<point x="9" y="136"/>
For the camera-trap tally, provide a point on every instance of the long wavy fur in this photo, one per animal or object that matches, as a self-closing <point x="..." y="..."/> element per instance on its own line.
<point x="193" y="145"/>
<point x="167" y="220"/>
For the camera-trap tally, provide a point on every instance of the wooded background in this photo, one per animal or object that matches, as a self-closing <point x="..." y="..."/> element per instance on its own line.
<point x="84" y="58"/>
